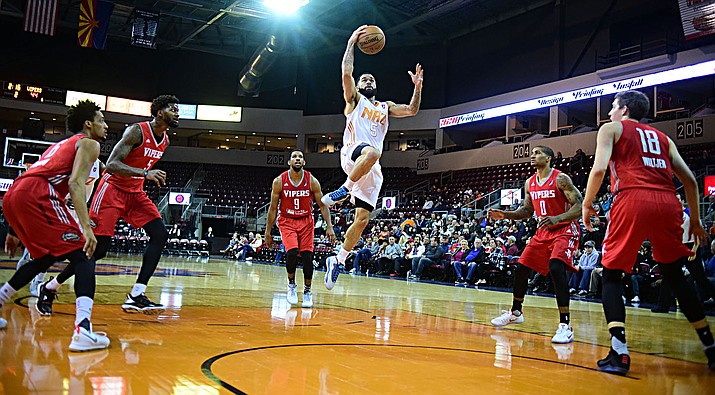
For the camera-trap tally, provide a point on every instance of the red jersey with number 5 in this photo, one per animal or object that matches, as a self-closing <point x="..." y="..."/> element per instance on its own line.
<point x="144" y="157"/>
<point x="296" y="199"/>
<point x="548" y="200"/>
<point x="640" y="159"/>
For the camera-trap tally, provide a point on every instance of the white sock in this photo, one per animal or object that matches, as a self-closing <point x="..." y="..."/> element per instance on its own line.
<point x="349" y="184"/>
<point x="138" y="289"/>
<point x="6" y="293"/>
<point x="620" y="348"/>
<point x="53" y="285"/>
<point x="83" y="309"/>
<point x="342" y="255"/>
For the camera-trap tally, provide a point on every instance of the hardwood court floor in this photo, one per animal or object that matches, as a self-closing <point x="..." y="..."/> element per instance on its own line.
<point x="229" y="329"/>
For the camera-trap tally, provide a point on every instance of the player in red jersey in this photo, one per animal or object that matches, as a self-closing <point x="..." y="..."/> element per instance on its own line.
<point x="642" y="161"/>
<point x="120" y="193"/>
<point x="295" y="189"/>
<point x="36" y="212"/>
<point x="557" y="203"/>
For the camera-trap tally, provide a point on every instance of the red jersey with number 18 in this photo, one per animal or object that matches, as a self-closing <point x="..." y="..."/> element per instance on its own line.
<point x="641" y="159"/>
<point x="144" y="157"/>
<point x="296" y="199"/>
<point x="548" y="200"/>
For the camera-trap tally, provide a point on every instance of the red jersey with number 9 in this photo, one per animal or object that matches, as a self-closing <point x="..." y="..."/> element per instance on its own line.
<point x="296" y="199"/>
<point x="144" y="157"/>
<point x="546" y="197"/>
<point x="641" y="159"/>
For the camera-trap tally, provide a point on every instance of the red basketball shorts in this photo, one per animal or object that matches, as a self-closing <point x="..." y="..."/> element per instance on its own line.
<point x="639" y="214"/>
<point x="297" y="233"/>
<point x="39" y="217"/>
<point x="551" y="244"/>
<point x="110" y="203"/>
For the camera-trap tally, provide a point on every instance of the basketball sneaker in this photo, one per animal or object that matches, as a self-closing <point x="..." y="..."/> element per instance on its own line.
<point x="35" y="285"/>
<point x="292" y="294"/>
<point x="710" y="353"/>
<point x="332" y="272"/>
<point x="86" y="340"/>
<point x="336" y="196"/>
<point x="507" y="318"/>
<point x="141" y="304"/>
<point x="564" y="334"/>
<point x="307" y="300"/>
<point x="3" y="323"/>
<point x="44" y="299"/>
<point x="615" y="363"/>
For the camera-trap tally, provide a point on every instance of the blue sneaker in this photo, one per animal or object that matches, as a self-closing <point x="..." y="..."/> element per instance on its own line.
<point x="336" y="196"/>
<point x="332" y="272"/>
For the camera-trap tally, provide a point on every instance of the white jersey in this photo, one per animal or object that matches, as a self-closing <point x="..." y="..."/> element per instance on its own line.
<point x="367" y="123"/>
<point x="89" y="184"/>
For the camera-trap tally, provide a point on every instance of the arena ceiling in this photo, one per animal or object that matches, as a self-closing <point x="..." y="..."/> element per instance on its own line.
<point x="237" y="27"/>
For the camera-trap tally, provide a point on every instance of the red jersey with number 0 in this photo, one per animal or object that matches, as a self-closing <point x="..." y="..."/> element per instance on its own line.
<point x="296" y="200"/>
<point x="641" y="159"/>
<point x="144" y="157"/>
<point x="548" y="200"/>
<point x="55" y="164"/>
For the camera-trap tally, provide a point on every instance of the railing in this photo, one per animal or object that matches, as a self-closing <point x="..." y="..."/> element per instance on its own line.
<point x="211" y="211"/>
<point x="640" y="51"/>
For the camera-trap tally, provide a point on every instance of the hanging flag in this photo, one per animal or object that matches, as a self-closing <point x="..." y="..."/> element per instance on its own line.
<point x="94" y="23"/>
<point x="144" y="28"/>
<point x="41" y="16"/>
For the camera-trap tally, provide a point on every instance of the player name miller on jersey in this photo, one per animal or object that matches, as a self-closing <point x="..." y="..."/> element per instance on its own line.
<point x="293" y="194"/>
<point x="152" y="153"/>
<point x="542" y="194"/>
<point x="654" y="162"/>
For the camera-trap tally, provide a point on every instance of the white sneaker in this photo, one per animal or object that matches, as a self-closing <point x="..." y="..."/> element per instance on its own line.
<point x="35" y="284"/>
<point x="332" y="272"/>
<point x="292" y="294"/>
<point x="564" y="334"/>
<point x="636" y="299"/>
<point x="3" y="323"/>
<point x="84" y="340"/>
<point x="353" y="271"/>
<point x="508" y="318"/>
<point x="307" y="300"/>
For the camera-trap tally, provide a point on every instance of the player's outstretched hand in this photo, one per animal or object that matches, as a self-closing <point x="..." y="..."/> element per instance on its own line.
<point x="495" y="214"/>
<point x="158" y="176"/>
<point x="268" y="239"/>
<point x="12" y="243"/>
<point x="587" y="211"/>
<point x="417" y="76"/>
<point x="356" y="34"/>
<point x="90" y="242"/>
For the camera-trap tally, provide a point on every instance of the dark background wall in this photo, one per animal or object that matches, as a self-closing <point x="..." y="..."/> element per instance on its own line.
<point x="541" y="46"/>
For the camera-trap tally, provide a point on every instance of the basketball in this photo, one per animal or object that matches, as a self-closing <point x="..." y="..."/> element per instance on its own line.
<point x="372" y="41"/>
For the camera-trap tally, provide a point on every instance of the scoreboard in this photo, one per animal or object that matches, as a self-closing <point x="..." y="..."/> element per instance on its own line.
<point x="42" y="94"/>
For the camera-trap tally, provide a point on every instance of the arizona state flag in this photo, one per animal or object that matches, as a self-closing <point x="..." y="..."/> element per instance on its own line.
<point x="94" y="23"/>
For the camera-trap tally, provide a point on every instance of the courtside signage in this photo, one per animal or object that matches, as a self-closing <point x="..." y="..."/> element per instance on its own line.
<point x="183" y="199"/>
<point x="663" y="77"/>
<point x="187" y="111"/>
<point x="5" y="184"/>
<point x="388" y="203"/>
<point x="128" y="106"/>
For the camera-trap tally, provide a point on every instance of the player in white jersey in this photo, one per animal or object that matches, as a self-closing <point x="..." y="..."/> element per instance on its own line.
<point x="94" y="174"/>
<point x="365" y="131"/>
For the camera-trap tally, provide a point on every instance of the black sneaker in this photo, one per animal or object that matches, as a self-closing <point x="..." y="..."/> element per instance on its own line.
<point x="710" y="353"/>
<point x="45" y="299"/>
<point x="615" y="363"/>
<point x="141" y="304"/>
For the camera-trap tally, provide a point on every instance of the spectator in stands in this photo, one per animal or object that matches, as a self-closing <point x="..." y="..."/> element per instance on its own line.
<point x="586" y="265"/>
<point x="422" y="222"/>
<point x="363" y="256"/>
<point x="459" y="260"/>
<point x="175" y="232"/>
<point x="209" y="237"/>
<point x="386" y="262"/>
<point x="710" y="265"/>
<point x="232" y="245"/>
<point x="710" y="212"/>
<point x="432" y="255"/>
<point x="250" y="248"/>
<point x="412" y="250"/>
<point x="511" y="248"/>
